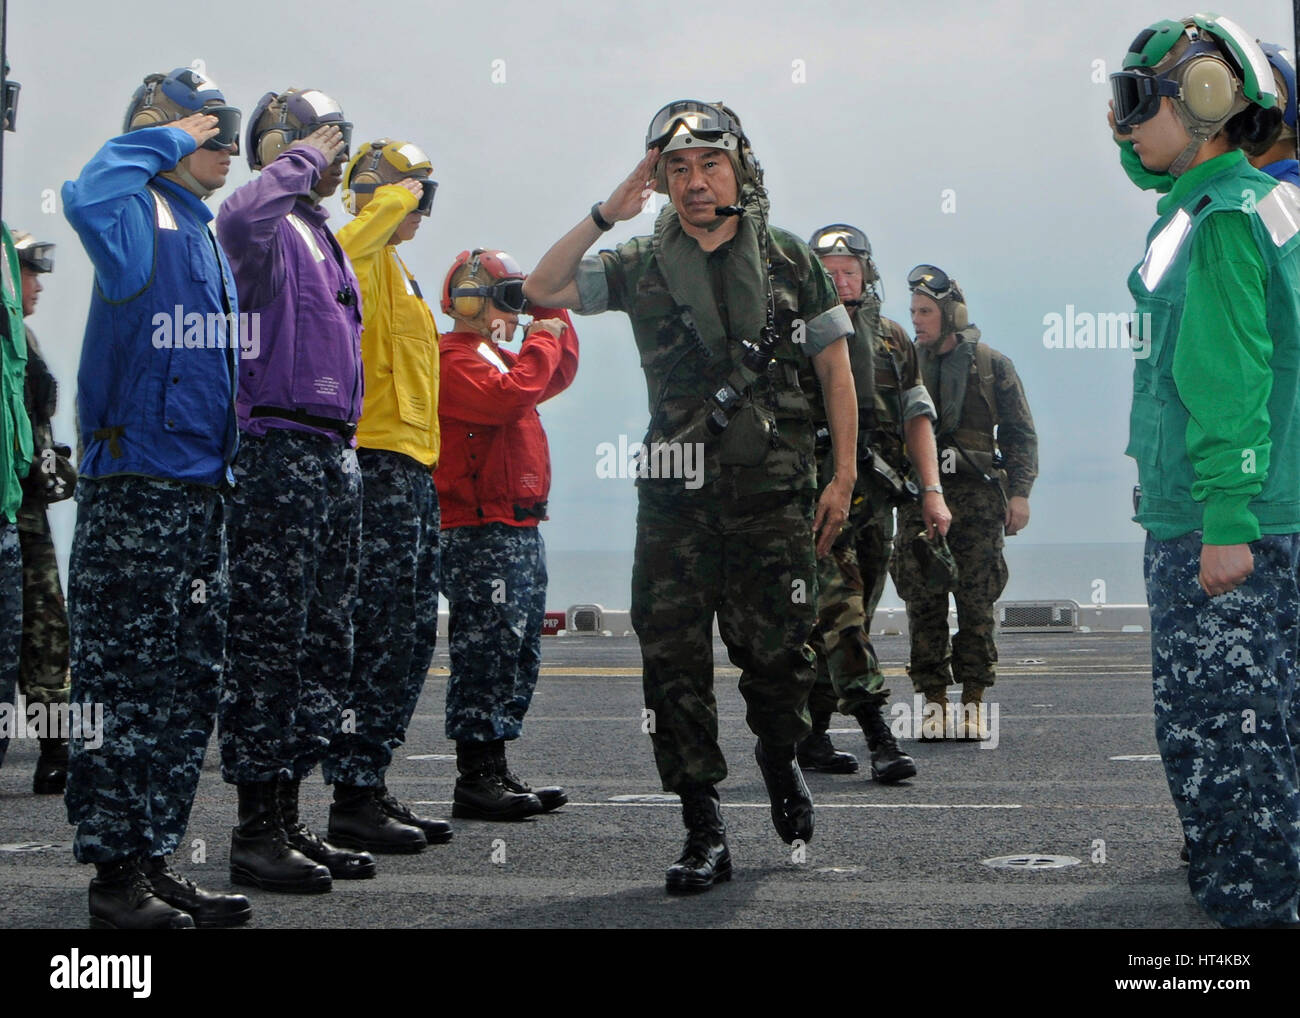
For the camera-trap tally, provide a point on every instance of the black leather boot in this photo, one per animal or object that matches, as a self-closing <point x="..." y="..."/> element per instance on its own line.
<point x="888" y="763"/>
<point x="436" y="832"/>
<point x="792" y="806"/>
<point x="208" y="908"/>
<point x="816" y="753"/>
<point x="357" y="821"/>
<point x="260" y="853"/>
<point x="480" y="793"/>
<point x="121" y="899"/>
<point x="51" y="776"/>
<point x="550" y="798"/>
<point x="342" y="864"/>
<point x="705" y="859"/>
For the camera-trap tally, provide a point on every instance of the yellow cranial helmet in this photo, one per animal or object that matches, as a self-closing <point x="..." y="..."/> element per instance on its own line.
<point x="385" y="161"/>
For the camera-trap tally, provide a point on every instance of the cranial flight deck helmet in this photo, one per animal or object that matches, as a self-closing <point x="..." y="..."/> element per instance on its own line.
<point x="849" y="241"/>
<point x="280" y="119"/>
<point x="165" y="98"/>
<point x="385" y="161"/>
<point x="689" y="123"/>
<point x="37" y="255"/>
<point x="476" y="277"/>
<point x="931" y="281"/>
<point x="1207" y="65"/>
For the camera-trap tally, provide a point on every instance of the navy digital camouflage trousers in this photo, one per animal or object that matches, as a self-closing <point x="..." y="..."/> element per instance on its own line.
<point x="11" y="617"/>
<point x="494" y="579"/>
<point x="148" y="593"/>
<point x="849" y="588"/>
<point x="750" y="561"/>
<point x="1227" y="720"/>
<point x="395" y="626"/>
<point x="43" y="673"/>
<point x="295" y="537"/>
<point x="976" y="539"/>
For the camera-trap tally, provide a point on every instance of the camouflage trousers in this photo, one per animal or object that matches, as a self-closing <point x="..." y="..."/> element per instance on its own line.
<point x="849" y="586"/>
<point x="976" y="541"/>
<point x="11" y="617"/>
<point x="749" y="561"/>
<point x="1227" y="718"/>
<point x="295" y="537"/>
<point x="494" y="579"/>
<point x="395" y="626"/>
<point x="43" y="673"/>
<point x="148" y="593"/>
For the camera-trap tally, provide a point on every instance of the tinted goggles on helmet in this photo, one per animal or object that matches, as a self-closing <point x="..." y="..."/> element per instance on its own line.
<point x="705" y="122"/>
<point x="506" y="294"/>
<point x="425" y="206"/>
<point x="37" y="256"/>
<point x="840" y="239"/>
<point x="344" y="126"/>
<point x="228" y="120"/>
<point x="1137" y="96"/>
<point x="930" y="279"/>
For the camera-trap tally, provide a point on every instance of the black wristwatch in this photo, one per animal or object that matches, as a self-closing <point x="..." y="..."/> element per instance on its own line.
<point x="599" y="220"/>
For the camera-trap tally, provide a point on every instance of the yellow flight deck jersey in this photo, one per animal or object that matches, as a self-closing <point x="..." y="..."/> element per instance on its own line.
<point x="399" y="344"/>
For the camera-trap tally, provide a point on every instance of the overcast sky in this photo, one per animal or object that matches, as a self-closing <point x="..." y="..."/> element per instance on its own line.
<point x="970" y="135"/>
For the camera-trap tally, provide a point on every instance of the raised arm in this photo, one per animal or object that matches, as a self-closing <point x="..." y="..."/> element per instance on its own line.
<point x="553" y="282"/>
<point x="110" y="209"/>
<point x="373" y="227"/>
<point x="249" y="218"/>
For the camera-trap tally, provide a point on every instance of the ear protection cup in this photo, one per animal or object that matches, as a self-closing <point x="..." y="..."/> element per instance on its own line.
<point x="1209" y="90"/>
<point x="468" y="307"/>
<point x="148" y="114"/>
<point x="366" y="171"/>
<point x="274" y="140"/>
<point x="958" y="316"/>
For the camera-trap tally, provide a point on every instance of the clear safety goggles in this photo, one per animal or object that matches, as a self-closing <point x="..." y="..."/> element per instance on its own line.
<point x="840" y="239"/>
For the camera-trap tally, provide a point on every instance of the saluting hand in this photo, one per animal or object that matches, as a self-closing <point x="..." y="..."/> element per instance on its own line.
<point x="627" y="199"/>
<point x="328" y="140"/>
<point x="202" y="127"/>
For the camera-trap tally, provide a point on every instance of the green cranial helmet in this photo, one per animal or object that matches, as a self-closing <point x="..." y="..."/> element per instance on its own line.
<point x="1208" y="66"/>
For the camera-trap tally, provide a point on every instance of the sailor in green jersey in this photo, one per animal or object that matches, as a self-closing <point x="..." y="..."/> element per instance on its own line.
<point x="1215" y="430"/>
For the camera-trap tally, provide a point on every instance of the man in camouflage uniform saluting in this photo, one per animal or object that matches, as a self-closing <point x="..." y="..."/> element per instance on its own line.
<point x="724" y="311"/>
<point x="988" y="456"/>
<point x="894" y="412"/>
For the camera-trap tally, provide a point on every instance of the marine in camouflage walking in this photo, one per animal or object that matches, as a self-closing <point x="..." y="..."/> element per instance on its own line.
<point x="895" y="416"/>
<point x="988" y="458"/>
<point x="725" y="311"/>
<point x="43" y="669"/>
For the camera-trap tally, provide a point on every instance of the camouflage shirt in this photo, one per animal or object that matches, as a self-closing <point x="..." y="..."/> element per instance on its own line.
<point x="976" y="427"/>
<point x="681" y="371"/>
